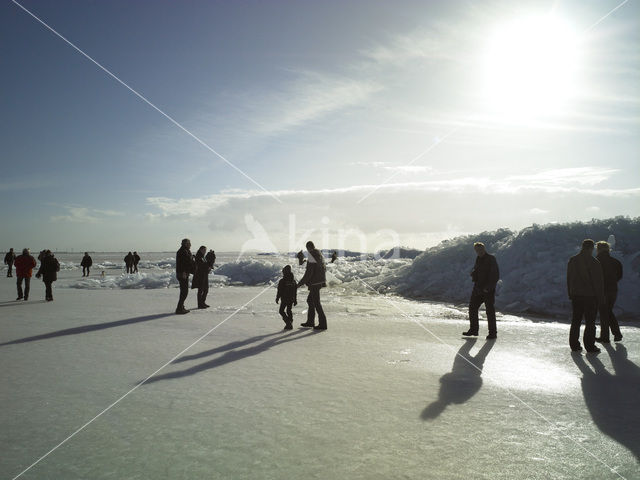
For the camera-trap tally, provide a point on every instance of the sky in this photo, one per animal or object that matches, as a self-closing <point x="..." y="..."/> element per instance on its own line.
<point x="363" y="125"/>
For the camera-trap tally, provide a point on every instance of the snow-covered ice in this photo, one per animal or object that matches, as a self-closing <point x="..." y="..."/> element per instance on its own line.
<point x="384" y="393"/>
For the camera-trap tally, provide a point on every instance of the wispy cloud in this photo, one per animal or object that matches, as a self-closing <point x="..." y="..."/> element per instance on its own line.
<point x="78" y="214"/>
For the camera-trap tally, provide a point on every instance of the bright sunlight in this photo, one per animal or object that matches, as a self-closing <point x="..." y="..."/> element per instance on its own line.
<point x="529" y="67"/>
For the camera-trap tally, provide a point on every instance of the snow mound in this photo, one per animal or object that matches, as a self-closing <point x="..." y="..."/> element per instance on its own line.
<point x="250" y="272"/>
<point x="124" y="281"/>
<point x="532" y="265"/>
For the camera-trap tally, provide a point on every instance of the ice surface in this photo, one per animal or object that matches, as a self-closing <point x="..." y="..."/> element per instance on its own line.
<point x="382" y="394"/>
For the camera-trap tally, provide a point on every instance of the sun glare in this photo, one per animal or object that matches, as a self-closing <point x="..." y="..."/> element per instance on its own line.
<point x="529" y="67"/>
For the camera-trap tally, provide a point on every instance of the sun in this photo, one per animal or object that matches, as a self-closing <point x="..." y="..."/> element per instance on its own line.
<point x="530" y="67"/>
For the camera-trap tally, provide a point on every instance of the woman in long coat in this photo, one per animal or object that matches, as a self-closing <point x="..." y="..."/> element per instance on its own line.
<point x="201" y="277"/>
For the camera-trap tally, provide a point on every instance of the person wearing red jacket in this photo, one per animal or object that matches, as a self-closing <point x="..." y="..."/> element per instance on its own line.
<point x="24" y="264"/>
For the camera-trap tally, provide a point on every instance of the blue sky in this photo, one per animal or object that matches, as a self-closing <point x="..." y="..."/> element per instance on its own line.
<point x="322" y="104"/>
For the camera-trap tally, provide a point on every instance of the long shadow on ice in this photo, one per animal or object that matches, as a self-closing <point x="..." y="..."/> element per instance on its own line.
<point x="462" y="382"/>
<point x="88" y="328"/>
<point x="20" y="302"/>
<point x="612" y="398"/>
<point x="233" y="355"/>
<point x="224" y="348"/>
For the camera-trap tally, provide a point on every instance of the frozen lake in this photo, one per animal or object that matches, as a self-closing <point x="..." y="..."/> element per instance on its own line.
<point x="391" y="390"/>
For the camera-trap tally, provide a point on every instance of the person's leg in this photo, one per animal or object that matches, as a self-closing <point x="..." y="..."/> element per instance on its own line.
<point x="10" y="271"/>
<point x="577" y="310"/>
<point x="290" y="312"/>
<point x="184" y="291"/>
<point x="311" y="312"/>
<point x="48" y="291"/>
<point x="322" y="319"/>
<point x="490" y="308"/>
<point x="590" y="312"/>
<point x="282" y="313"/>
<point x="19" y="285"/>
<point x="27" y="287"/>
<point x="474" y="305"/>
<point x="611" y="298"/>
<point x="603" y="312"/>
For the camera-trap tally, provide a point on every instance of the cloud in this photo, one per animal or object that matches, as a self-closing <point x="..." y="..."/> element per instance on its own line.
<point x="538" y="211"/>
<point x="583" y="176"/>
<point x="77" y="214"/>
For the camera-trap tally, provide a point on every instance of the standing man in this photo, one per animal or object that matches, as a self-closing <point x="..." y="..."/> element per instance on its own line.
<point x="185" y="265"/>
<point x="86" y="263"/>
<point x="128" y="262"/>
<point x="586" y="291"/>
<point x="9" y="258"/>
<point x="485" y="276"/>
<point x="611" y="274"/>
<point x="314" y="278"/>
<point x="24" y="269"/>
<point x="49" y="268"/>
<point x="136" y="260"/>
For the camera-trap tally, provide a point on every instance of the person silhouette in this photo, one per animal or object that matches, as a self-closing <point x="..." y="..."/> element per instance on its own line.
<point x="462" y="382"/>
<point x="485" y="276"/>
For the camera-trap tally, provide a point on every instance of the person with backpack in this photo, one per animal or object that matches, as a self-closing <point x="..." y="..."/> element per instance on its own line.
<point x="49" y="268"/>
<point x="86" y="263"/>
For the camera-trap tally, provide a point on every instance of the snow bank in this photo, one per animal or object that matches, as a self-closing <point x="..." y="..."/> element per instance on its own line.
<point x="532" y="265"/>
<point x="250" y="272"/>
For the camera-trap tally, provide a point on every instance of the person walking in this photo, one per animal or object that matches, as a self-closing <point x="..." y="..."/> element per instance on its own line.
<point x="185" y="265"/>
<point x="9" y="258"/>
<point x="611" y="275"/>
<point x="136" y="260"/>
<point x="287" y="293"/>
<point x="315" y="279"/>
<point x="128" y="262"/>
<point x="485" y="276"/>
<point x="201" y="277"/>
<point x="586" y="290"/>
<point x="86" y="263"/>
<point x="49" y="268"/>
<point x="25" y="264"/>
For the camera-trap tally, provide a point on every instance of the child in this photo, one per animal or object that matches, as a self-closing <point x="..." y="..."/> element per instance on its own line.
<point x="287" y="292"/>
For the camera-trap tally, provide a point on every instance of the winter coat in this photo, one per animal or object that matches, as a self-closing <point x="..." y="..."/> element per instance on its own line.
<point x="128" y="259"/>
<point x="185" y="263"/>
<point x="87" y="261"/>
<point x="210" y="258"/>
<point x="287" y="289"/>
<point x="136" y="259"/>
<point x="584" y="277"/>
<point x="485" y="273"/>
<point x="611" y="271"/>
<point x="49" y="268"/>
<point x="9" y="258"/>
<point x="315" y="273"/>
<point x="24" y="265"/>
<point x="201" y="275"/>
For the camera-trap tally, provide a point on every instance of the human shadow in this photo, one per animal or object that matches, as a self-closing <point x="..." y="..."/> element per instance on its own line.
<point x="13" y="303"/>
<point x="87" y="328"/>
<point x="232" y="356"/>
<point x="224" y="348"/>
<point x="612" y="398"/>
<point x="462" y="382"/>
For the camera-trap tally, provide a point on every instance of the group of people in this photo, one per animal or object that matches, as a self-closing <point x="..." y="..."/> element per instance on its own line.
<point x="198" y="265"/>
<point x="25" y="263"/>
<point x="131" y="261"/>
<point x="592" y="285"/>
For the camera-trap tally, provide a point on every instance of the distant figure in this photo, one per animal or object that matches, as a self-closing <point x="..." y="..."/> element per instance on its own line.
<point x="185" y="265"/>
<point x="128" y="262"/>
<point x="314" y="278"/>
<point x="210" y="258"/>
<point x="201" y="277"/>
<point x="102" y="274"/>
<point x="586" y="291"/>
<point x="136" y="260"/>
<point x="300" y="257"/>
<point x="611" y="275"/>
<point x="41" y="255"/>
<point x="49" y="268"/>
<point x="287" y="293"/>
<point x="9" y="258"/>
<point x="334" y="256"/>
<point x="485" y="276"/>
<point x="25" y="264"/>
<point x="86" y="263"/>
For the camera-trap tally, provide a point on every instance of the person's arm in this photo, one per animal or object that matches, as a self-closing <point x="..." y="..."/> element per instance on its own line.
<point x="598" y="280"/>
<point x="618" y="270"/>
<point x="308" y="273"/>
<point x="569" y="268"/>
<point x="279" y="291"/>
